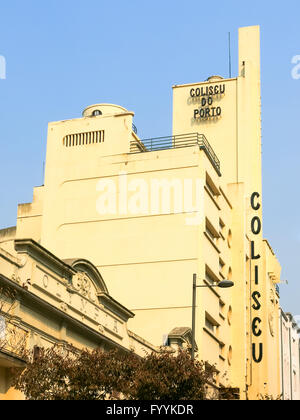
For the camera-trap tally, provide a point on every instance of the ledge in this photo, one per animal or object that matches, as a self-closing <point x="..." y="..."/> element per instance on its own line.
<point x="211" y="196"/>
<point x="213" y="244"/>
<point x="212" y="288"/>
<point x="212" y="335"/>
<point x="42" y="255"/>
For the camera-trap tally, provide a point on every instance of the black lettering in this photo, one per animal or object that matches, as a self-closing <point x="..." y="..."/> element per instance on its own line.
<point x="192" y="93"/>
<point x="222" y="89"/>
<point x="197" y="92"/>
<point x="203" y="102"/>
<point x="256" y="275"/>
<point x="255" y="296"/>
<point x="196" y="112"/>
<point x="260" y="357"/>
<point x="210" y="100"/>
<point x="219" y="111"/>
<point x="211" y="90"/>
<point x="213" y="111"/>
<point x="253" y="197"/>
<point x="255" y="330"/>
<point x="207" y="112"/>
<point x="202" y="113"/>
<point x="253" y="256"/>
<point x="256" y="229"/>
<point x="216" y="90"/>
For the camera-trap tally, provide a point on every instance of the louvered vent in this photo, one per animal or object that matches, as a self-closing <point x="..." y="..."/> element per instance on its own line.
<point x="83" y="139"/>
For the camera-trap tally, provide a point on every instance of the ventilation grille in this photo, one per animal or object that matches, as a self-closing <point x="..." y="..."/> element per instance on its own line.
<point x="83" y="139"/>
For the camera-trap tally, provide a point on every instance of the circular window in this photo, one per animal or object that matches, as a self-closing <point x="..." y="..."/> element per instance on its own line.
<point x="229" y="315"/>
<point x="97" y="112"/>
<point x="229" y="357"/>
<point x="229" y="238"/>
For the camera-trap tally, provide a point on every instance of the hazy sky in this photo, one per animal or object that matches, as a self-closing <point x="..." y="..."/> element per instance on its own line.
<point x="64" y="55"/>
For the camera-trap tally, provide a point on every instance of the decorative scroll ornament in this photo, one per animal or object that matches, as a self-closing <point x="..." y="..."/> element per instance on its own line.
<point x="84" y="286"/>
<point x="16" y="278"/>
<point x="64" y="306"/>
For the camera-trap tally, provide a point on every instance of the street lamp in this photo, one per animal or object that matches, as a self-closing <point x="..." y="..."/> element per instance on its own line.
<point x="224" y="284"/>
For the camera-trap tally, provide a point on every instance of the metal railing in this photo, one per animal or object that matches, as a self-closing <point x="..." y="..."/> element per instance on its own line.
<point x="177" y="142"/>
<point x="134" y="129"/>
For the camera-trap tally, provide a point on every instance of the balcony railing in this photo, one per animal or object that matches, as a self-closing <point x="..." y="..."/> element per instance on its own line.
<point x="177" y="142"/>
<point x="134" y="129"/>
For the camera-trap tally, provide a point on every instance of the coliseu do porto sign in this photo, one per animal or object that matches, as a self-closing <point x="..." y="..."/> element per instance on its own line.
<point x="206" y="97"/>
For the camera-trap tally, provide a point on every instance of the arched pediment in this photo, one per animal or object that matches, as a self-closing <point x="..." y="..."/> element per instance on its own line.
<point x="88" y="282"/>
<point x="86" y="271"/>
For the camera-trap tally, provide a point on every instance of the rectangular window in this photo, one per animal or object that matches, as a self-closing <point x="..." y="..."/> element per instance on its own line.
<point x="209" y="325"/>
<point x="210" y="276"/>
<point x="221" y="266"/>
<point x="222" y="228"/>
<point x="222" y="307"/>
<point x="211" y="187"/>
<point x="211" y="231"/>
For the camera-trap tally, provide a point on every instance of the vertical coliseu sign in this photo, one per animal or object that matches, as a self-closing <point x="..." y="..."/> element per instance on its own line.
<point x="256" y="227"/>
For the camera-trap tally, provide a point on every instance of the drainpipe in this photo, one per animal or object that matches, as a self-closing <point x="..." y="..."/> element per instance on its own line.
<point x="282" y="366"/>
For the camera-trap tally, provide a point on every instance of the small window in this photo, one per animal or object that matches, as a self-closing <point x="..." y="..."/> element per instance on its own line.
<point x="221" y="266"/>
<point x="222" y="350"/>
<point x="209" y="325"/>
<point x="222" y="307"/>
<point x="211" y="231"/>
<point x="211" y="187"/>
<point x="209" y="278"/>
<point x="222" y="228"/>
<point x="96" y="113"/>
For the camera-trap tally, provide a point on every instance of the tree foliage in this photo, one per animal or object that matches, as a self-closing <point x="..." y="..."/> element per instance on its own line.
<point x="69" y="374"/>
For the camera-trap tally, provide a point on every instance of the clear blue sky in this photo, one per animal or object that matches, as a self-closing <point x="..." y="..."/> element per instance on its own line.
<point x="64" y="55"/>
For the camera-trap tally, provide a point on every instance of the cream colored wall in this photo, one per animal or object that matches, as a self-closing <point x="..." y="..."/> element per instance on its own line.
<point x="67" y="164"/>
<point x="148" y="261"/>
<point x="29" y="218"/>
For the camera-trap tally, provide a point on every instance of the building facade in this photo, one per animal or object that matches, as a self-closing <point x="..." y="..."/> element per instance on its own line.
<point x="290" y="357"/>
<point x="54" y="302"/>
<point x="148" y="214"/>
